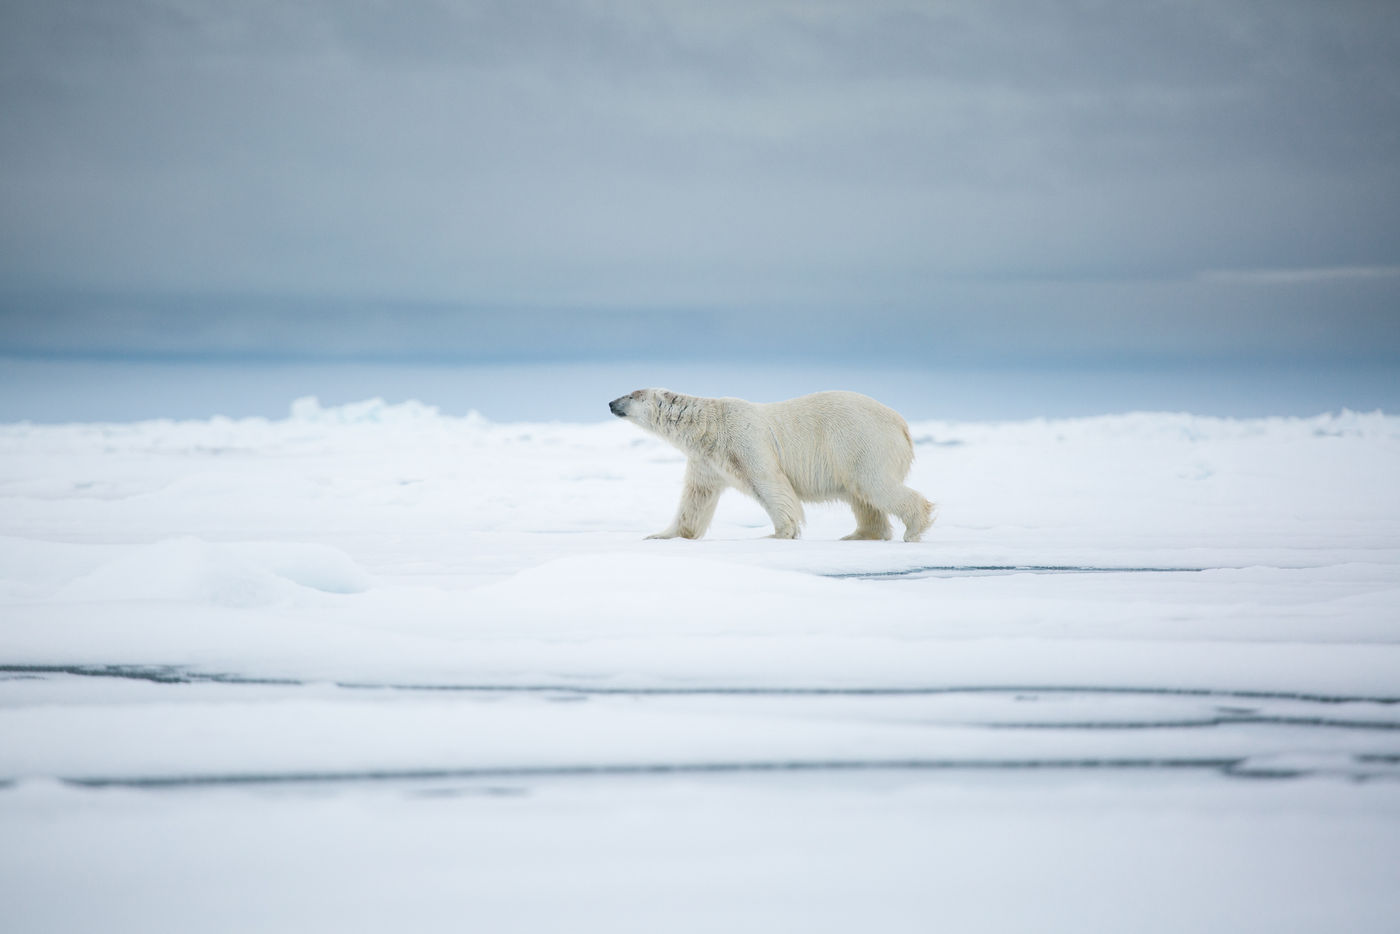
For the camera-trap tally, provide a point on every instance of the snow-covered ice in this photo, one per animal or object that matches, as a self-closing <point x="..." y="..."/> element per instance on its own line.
<point x="372" y="667"/>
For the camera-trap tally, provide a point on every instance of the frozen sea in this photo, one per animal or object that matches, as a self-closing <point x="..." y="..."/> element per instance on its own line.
<point x="373" y="667"/>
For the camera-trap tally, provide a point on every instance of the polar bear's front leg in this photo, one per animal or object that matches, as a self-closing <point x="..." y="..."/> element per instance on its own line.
<point x="699" y="497"/>
<point x="777" y="497"/>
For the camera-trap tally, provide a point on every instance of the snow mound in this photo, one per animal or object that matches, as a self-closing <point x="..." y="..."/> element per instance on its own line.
<point x="1138" y="427"/>
<point x="371" y="411"/>
<point x="235" y="575"/>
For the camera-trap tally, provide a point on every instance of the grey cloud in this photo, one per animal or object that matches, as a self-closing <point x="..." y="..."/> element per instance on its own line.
<point x="1257" y="317"/>
<point x="729" y="156"/>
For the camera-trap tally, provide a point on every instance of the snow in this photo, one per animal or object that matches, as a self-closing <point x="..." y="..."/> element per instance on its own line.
<point x="372" y="666"/>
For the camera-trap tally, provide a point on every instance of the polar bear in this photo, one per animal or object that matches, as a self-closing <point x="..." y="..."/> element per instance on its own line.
<point x="818" y="448"/>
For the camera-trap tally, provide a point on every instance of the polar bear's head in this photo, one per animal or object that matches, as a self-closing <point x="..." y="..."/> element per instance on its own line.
<point x="651" y="408"/>
<point x="639" y="406"/>
<point x="691" y="423"/>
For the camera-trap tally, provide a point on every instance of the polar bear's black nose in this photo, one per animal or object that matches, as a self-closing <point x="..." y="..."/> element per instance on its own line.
<point x="617" y="407"/>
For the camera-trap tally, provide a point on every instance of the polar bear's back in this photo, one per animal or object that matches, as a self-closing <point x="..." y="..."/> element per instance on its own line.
<point x="831" y="443"/>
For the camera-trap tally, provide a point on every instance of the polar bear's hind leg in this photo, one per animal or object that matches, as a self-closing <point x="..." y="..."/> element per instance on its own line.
<point x="915" y="512"/>
<point x="908" y="505"/>
<point x="872" y="525"/>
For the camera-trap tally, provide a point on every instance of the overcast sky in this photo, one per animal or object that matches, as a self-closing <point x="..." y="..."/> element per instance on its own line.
<point x="965" y="181"/>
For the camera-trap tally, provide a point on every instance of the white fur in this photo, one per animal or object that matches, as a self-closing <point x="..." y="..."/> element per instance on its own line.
<point x="819" y="448"/>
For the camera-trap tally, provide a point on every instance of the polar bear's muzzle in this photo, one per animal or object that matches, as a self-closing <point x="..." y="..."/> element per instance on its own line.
<point x="619" y="406"/>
